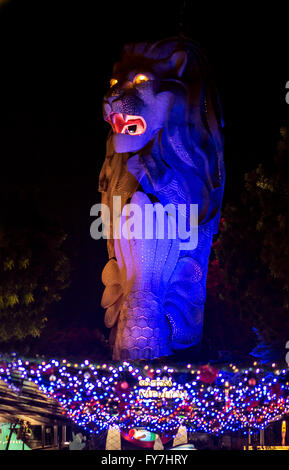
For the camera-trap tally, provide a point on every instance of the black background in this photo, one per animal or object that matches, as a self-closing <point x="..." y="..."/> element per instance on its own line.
<point x="56" y="60"/>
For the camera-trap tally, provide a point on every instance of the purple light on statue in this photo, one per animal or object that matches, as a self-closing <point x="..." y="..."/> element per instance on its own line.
<point x="164" y="150"/>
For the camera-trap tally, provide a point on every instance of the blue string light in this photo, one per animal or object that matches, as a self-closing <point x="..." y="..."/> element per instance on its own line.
<point x="98" y="396"/>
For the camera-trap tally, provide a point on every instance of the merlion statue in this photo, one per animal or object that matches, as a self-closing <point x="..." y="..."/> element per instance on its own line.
<point x="165" y="147"/>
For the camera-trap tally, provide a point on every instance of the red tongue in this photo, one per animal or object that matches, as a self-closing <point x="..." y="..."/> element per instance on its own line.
<point x="119" y="123"/>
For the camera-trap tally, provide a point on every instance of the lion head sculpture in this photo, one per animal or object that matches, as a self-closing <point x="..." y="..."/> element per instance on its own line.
<point x="165" y="146"/>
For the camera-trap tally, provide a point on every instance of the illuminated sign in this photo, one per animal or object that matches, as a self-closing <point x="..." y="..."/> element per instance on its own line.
<point x="156" y="383"/>
<point x="164" y="389"/>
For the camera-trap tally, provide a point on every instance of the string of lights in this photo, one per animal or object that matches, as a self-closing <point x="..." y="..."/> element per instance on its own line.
<point x="160" y="399"/>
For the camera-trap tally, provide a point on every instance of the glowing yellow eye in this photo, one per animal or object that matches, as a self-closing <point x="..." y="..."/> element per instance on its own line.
<point x="140" y="78"/>
<point x="113" y="81"/>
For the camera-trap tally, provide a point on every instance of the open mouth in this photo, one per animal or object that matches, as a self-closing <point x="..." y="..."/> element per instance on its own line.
<point x="127" y="124"/>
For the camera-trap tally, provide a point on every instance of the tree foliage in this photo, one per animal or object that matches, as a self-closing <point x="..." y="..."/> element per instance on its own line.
<point x="34" y="268"/>
<point x="253" y="247"/>
<point x="72" y="341"/>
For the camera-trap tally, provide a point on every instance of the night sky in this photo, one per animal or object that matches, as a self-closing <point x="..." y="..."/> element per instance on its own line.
<point x="55" y="68"/>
